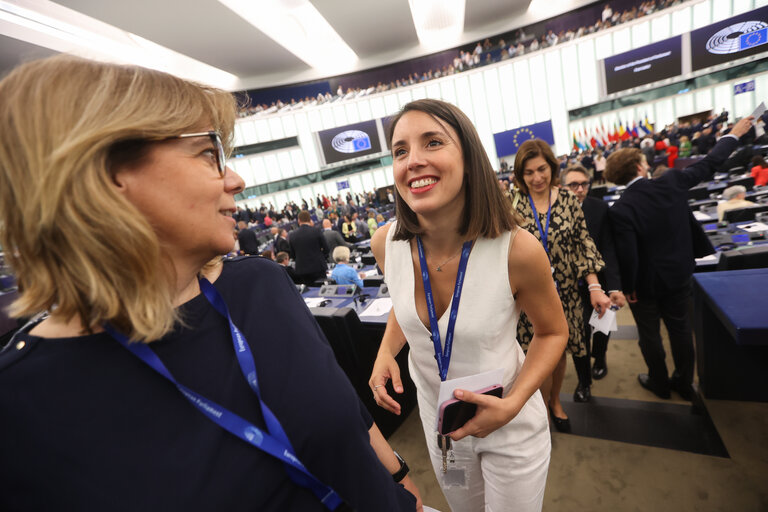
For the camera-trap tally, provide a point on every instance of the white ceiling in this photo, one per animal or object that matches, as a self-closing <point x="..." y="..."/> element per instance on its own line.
<point x="379" y="31"/>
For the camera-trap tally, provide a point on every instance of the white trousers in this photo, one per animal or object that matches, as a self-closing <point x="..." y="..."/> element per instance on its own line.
<point x="505" y="471"/>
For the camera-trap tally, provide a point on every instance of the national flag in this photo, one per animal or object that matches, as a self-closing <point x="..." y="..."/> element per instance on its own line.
<point x="604" y="136"/>
<point x="647" y="125"/>
<point x="593" y="141"/>
<point x="584" y="140"/>
<point x="575" y="142"/>
<point x="634" y="129"/>
<point x="622" y="132"/>
<point x="640" y="131"/>
<point x="615" y="133"/>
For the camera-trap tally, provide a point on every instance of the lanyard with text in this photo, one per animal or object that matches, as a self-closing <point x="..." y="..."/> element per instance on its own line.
<point x="443" y="355"/>
<point x="545" y="232"/>
<point x="275" y="442"/>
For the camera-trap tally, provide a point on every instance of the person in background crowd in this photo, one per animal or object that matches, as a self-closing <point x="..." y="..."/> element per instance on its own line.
<point x="309" y="250"/>
<point x="333" y="238"/>
<point x="247" y="239"/>
<point x="657" y="239"/>
<point x="349" y="230"/>
<point x="554" y="216"/>
<point x="157" y="415"/>
<point x="284" y="259"/>
<point x="735" y="197"/>
<point x="281" y="242"/>
<point x="685" y="147"/>
<point x="451" y="216"/>
<point x="576" y="179"/>
<point x="268" y="254"/>
<point x="342" y="272"/>
<point x="371" y="223"/>
<point x="759" y="170"/>
<point x="380" y="221"/>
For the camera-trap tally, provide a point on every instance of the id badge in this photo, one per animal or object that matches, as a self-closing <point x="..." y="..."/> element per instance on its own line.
<point x="455" y="476"/>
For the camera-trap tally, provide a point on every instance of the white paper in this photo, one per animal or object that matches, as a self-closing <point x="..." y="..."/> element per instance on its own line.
<point x="377" y="307"/>
<point x="701" y="215"/>
<point x="706" y="259"/>
<point x="754" y="227"/>
<point x="429" y="509"/>
<point x="474" y="382"/>
<point x="605" y="324"/>
<point x="369" y="273"/>
<point x="759" y="129"/>
<point x="313" y="302"/>
<point x="758" y="112"/>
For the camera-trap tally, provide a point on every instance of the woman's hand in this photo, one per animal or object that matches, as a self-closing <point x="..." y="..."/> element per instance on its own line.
<point x="618" y="299"/>
<point x="600" y="302"/>
<point x="492" y="414"/>
<point x="384" y="369"/>
<point x="411" y="488"/>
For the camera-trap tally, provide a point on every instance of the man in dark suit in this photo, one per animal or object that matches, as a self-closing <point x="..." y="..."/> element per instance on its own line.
<point x="247" y="239"/>
<point x="281" y="242"/>
<point x="309" y="250"/>
<point x="657" y="240"/>
<point x="576" y="179"/>
<point x="333" y="238"/>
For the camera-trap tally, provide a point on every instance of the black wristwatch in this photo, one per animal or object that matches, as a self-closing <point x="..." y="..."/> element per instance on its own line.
<point x="403" y="471"/>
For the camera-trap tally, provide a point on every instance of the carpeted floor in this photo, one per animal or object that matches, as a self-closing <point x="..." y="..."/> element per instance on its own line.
<point x="620" y="459"/>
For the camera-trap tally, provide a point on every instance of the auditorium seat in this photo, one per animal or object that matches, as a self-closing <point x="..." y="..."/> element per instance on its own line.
<point x="744" y="214"/>
<point x="740" y="259"/>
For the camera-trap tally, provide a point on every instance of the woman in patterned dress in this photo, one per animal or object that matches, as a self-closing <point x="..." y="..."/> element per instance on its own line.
<point x="573" y="256"/>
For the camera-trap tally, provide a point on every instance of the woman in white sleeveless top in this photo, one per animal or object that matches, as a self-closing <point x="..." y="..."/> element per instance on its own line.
<point x="447" y="195"/>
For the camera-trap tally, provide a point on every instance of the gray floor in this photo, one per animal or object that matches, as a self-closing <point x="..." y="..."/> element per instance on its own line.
<point x="588" y="474"/>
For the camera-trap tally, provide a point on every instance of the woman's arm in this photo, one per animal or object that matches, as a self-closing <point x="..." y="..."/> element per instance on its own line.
<point x="530" y="279"/>
<point x="388" y="459"/>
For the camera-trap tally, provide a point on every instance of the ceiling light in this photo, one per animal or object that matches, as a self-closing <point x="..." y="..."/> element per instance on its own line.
<point x="439" y="23"/>
<point x="299" y="27"/>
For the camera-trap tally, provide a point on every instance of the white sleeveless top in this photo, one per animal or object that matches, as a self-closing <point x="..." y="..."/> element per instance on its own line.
<point x="486" y="325"/>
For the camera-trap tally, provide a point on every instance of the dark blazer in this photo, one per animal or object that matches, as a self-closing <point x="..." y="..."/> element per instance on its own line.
<point x="309" y="250"/>
<point x="334" y="239"/>
<point x="599" y="227"/>
<point x="248" y="242"/>
<point x="281" y="245"/>
<point x="657" y="238"/>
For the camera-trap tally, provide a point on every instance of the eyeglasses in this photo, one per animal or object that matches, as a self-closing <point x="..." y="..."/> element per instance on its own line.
<point x="576" y="185"/>
<point x="221" y="158"/>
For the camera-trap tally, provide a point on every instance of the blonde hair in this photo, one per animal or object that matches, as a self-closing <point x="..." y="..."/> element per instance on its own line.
<point x="341" y="253"/>
<point x="77" y="246"/>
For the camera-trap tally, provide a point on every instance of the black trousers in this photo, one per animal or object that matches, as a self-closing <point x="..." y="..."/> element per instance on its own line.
<point x="674" y="308"/>
<point x="596" y="343"/>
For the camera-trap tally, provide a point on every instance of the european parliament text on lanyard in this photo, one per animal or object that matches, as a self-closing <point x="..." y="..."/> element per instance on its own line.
<point x="443" y="354"/>
<point x="274" y="442"/>
<point x="545" y="232"/>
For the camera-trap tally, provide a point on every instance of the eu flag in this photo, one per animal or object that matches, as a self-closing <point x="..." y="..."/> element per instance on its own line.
<point x="508" y="142"/>
<point x="753" y="39"/>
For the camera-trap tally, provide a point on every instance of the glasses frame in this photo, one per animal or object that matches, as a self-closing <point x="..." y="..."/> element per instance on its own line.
<point x="221" y="157"/>
<point x="577" y="185"/>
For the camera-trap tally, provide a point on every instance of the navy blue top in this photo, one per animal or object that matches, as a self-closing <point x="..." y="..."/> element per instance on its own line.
<point x="85" y="425"/>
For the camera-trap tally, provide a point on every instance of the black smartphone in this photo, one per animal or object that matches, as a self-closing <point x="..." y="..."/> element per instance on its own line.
<point x="455" y="413"/>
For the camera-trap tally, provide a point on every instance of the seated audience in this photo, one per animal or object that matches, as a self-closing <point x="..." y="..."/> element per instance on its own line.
<point x="342" y="272"/>
<point x="735" y="197"/>
<point x="759" y="171"/>
<point x="284" y="259"/>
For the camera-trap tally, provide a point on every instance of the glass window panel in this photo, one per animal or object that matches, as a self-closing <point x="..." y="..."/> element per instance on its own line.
<point x="297" y="159"/>
<point x="318" y="189"/>
<point x="557" y="107"/>
<point x="259" y="170"/>
<point x="289" y="125"/>
<point x="622" y="41"/>
<point x="665" y="113"/>
<point x="379" y="178"/>
<point x="703" y="100"/>
<point x="721" y="9"/>
<point x="403" y="98"/>
<point x="339" y="116"/>
<point x="273" y="167"/>
<point x="368" y="184"/>
<point x="280" y="200"/>
<point x="588" y="72"/>
<point x="262" y="131"/>
<point x="761" y="86"/>
<point x="641" y="34"/>
<point x="249" y="133"/>
<point x="660" y="28"/>
<point x="309" y="150"/>
<point x="684" y="105"/>
<point x="724" y="98"/>
<point x="524" y="93"/>
<point x="275" y="128"/>
<point x="570" y="65"/>
<point x="538" y="75"/>
<point x="286" y="166"/>
<point x="436" y="91"/>
<point x="464" y="95"/>
<point x="238" y="136"/>
<point x="353" y="115"/>
<point x="419" y="93"/>
<point x="447" y="91"/>
<point x="326" y="115"/>
<point x="294" y="196"/>
<point x="242" y="166"/>
<point x="743" y="104"/>
<point x="740" y="6"/>
<point x="509" y="97"/>
<point x="377" y="107"/>
<point x="356" y="184"/>
<point x="389" y="175"/>
<point x="493" y="99"/>
<point x="701" y="15"/>
<point x="315" y="123"/>
<point x="364" y="108"/>
<point x="681" y="21"/>
<point x="760" y="3"/>
<point x="604" y="46"/>
<point x="391" y="103"/>
<point x="330" y="189"/>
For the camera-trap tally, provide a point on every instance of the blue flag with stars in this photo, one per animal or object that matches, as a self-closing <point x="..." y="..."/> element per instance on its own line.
<point x="752" y="39"/>
<point x="508" y="142"/>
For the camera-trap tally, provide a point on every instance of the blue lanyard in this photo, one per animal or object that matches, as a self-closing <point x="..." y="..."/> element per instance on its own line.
<point x="443" y="355"/>
<point x="543" y="232"/>
<point x="274" y="442"/>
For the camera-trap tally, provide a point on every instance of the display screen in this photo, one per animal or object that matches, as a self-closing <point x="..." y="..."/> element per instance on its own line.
<point x="644" y="65"/>
<point x="351" y="141"/>
<point x="731" y="39"/>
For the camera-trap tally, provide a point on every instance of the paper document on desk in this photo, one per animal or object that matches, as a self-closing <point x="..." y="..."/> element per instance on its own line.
<point x="369" y="273"/>
<point x="313" y="302"/>
<point x="606" y="324"/>
<point x="701" y="215"/>
<point x="378" y="307"/>
<point x="754" y="227"/>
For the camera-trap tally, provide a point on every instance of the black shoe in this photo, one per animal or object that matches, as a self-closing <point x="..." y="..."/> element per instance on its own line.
<point x="684" y="390"/>
<point x="645" y="380"/>
<point x="599" y="370"/>
<point x="582" y="394"/>
<point x="561" y="424"/>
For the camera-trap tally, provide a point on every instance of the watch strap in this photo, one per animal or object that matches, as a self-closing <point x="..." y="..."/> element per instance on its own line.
<point x="403" y="471"/>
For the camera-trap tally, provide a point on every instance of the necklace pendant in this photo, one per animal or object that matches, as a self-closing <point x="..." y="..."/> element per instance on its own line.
<point x="439" y="269"/>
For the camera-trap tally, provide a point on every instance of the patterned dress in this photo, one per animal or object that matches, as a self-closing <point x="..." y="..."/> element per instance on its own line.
<point x="573" y="255"/>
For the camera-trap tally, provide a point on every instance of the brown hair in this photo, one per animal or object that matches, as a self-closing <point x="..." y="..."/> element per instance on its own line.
<point x="621" y="166"/>
<point x="532" y="149"/>
<point x="575" y="168"/>
<point x="304" y="216"/>
<point x="282" y="256"/>
<point x="75" y="243"/>
<point x="486" y="212"/>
